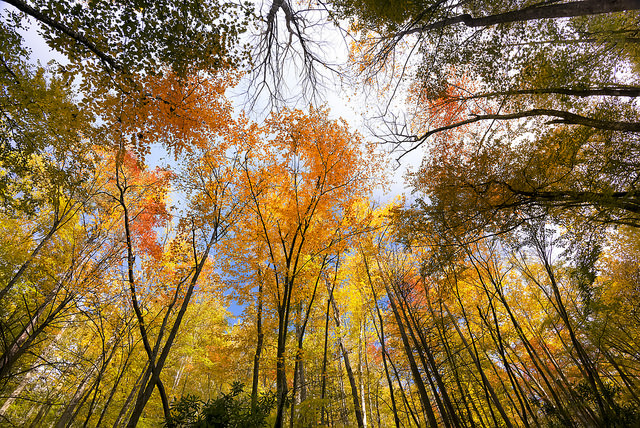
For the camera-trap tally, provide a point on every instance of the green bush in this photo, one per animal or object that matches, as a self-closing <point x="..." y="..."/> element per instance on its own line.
<point x="231" y="410"/>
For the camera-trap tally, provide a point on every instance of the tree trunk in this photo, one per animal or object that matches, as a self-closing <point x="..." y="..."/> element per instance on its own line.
<point x="281" y="375"/>
<point x="417" y="377"/>
<point x="430" y="365"/>
<point x="381" y="338"/>
<point x="114" y="388"/>
<point x="485" y="381"/>
<point x="140" y="382"/>
<point x="259" y="343"/>
<point x="146" y="392"/>
<point x="347" y="364"/>
<point x="323" y="387"/>
<point x="52" y="230"/>
<point x="32" y="330"/>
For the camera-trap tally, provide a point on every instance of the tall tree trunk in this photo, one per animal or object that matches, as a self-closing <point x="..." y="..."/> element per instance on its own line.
<point x="57" y="223"/>
<point x="323" y="388"/>
<point x="66" y="417"/>
<point x="146" y="392"/>
<point x="417" y="377"/>
<point x="301" y="327"/>
<point x="446" y="408"/>
<point x="454" y="367"/>
<point x="259" y="343"/>
<point x="151" y="356"/>
<point x="114" y="387"/>
<point x="347" y="364"/>
<point x="485" y="381"/>
<point x="281" y="375"/>
<point x="381" y="338"/>
<point x="27" y="378"/>
<point x="140" y="383"/>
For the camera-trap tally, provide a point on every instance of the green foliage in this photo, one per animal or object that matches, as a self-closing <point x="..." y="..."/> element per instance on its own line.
<point x="43" y="131"/>
<point x="381" y="12"/>
<point x="232" y="410"/>
<point x="143" y="36"/>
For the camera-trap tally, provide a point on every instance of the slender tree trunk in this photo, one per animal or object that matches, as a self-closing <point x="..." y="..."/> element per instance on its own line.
<point x="301" y="327"/>
<point x="539" y="365"/>
<point x="417" y="377"/>
<point x="456" y="374"/>
<point x="114" y="388"/>
<point x="408" y="407"/>
<point x="344" y="413"/>
<point x="446" y="408"/>
<point x="381" y="338"/>
<point x="14" y="394"/>
<point x="259" y="343"/>
<point x="281" y="375"/>
<point x="42" y="413"/>
<point x="27" y="378"/>
<point x="96" y="385"/>
<point x="140" y="383"/>
<point x="66" y="417"/>
<point x="602" y="399"/>
<point x="31" y="331"/>
<point x="420" y="351"/>
<point x="347" y="364"/>
<point x="323" y="380"/>
<point x="297" y="365"/>
<point x="485" y="381"/>
<point x="14" y="279"/>
<point x="323" y="388"/>
<point x="496" y="336"/>
<point x="146" y="392"/>
<point x="626" y="378"/>
<point x="151" y="356"/>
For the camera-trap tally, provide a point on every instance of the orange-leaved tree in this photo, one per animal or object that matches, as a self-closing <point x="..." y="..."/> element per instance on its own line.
<point x="302" y="175"/>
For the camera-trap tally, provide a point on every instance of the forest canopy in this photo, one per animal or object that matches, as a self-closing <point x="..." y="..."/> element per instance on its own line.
<point x="264" y="275"/>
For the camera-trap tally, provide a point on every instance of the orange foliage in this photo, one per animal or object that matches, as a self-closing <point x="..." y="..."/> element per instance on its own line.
<point x="178" y="113"/>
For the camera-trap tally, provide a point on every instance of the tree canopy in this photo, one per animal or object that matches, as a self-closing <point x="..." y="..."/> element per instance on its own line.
<point x="258" y="274"/>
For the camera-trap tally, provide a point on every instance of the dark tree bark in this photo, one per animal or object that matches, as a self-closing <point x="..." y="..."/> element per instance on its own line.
<point x="259" y="343"/>
<point x="151" y="356"/>
<point x="563" y="117"/>
<point x="486" y="384"/>
<point x="380" y="333"/>
<point x="540" y="11"/>
<point x="298" y="370"/>
<point x="606" y="91"/>
<point x="39" y="322"/>
<point x="323" y="386"/>
<point x="347" y="364"/>
<point x="417" y="376"/>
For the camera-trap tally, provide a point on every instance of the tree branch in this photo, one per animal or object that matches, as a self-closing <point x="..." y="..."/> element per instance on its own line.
<point x="546" y="11"/>
<point x="24" y="7"/>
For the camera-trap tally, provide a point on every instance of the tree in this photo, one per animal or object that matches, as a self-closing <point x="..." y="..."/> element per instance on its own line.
<point x="302" y="175"/>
